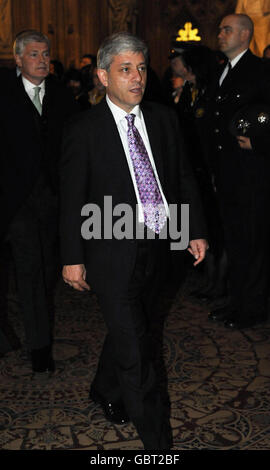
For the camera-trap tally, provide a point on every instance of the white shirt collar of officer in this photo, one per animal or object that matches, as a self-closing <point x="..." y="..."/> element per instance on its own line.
<point x="237" y="58"/>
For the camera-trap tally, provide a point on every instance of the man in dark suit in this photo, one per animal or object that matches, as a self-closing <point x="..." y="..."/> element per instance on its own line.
<point x="33" y="108"/>
<point x="242" y="170"/>
<point x="103" y="164"/>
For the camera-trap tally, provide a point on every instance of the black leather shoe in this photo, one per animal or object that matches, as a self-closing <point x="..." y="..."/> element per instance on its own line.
<point x="219" y="314"/>
<point x="114" y="412"/>
<point x="42" y="360"/>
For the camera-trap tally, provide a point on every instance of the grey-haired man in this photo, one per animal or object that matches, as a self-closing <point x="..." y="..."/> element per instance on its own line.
<point x="34" y="106"/>
<point x="101" y="158"/>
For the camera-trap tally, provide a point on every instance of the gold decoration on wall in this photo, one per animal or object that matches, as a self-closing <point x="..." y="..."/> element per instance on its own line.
<point x="188" y="34"/>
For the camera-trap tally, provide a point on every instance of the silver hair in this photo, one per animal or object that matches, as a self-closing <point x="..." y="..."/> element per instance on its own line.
<point x="25" y="37"/>
<point x="117" y="44"/>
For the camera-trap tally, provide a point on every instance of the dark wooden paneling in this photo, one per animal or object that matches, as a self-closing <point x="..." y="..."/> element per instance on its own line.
<point x="160" y="20"/>
<point x="93" y="25"/>
<point x="52" y="25"/>
<point x="26" y="14"/>
<point x="76" y="27"/>
<point x="153" y="28"/>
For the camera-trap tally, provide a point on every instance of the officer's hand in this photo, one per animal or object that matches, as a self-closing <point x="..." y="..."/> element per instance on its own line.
<point x="244" y="142"/>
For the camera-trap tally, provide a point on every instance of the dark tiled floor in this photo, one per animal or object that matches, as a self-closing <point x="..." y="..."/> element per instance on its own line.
<point x="218" y="382"/>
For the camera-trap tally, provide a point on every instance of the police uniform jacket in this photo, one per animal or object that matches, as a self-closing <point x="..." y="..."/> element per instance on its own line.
<point x="238" y="170"/>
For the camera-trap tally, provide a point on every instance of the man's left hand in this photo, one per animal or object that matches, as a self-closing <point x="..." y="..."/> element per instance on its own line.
<point x="244" y="142"/>
<point x="198" y="249"/>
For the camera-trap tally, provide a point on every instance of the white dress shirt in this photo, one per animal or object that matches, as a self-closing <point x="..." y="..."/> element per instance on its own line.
<point x="29" y="88"/>
<point x="233" y="63"/>
<point x="122" y="126"/>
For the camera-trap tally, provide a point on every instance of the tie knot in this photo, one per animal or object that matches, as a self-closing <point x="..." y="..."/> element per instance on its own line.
<point x="37" y="90"/>
<point x="130" y="119"/>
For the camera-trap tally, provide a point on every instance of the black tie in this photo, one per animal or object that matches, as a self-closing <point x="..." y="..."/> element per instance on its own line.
<point x="229" y="65"/>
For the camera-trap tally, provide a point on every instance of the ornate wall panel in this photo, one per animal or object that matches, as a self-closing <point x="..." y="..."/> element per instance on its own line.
<point x="93" y="24"/>
<point x="51" y="17"/>
<point x="16" y="15"/>
<point x="206" y="14"/>
<point x="76" y="27"/>
<point x="123" y="15"/>
<point x="26" y="14"/>
<point x="160" y="20"/>
<point x="5" y="27"/>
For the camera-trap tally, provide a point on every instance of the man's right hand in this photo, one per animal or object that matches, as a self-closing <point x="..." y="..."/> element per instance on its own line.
<point x="75" y="275"/>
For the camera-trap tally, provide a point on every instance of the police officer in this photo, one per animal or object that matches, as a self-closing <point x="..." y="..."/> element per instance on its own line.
<point x="242" y="170"/>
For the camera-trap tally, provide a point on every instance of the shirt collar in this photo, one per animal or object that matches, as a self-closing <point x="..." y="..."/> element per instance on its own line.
<point x="29" y="85"/>
<point x="119" y="113"/>
<point x="237" y="58"/>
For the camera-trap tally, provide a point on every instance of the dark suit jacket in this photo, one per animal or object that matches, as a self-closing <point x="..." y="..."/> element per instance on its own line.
<point x="238" y="171"/>
<point x="30" y="143"/>
<point x="94" y="165"/>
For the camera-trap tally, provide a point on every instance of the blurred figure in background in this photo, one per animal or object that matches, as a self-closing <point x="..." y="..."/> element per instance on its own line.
<point x="57" y="69"/>
<point x="73" y="79"/>
<point x="177" y="85"/>
<point x="266" y="52"/>
<point x="194" y="68"/>
<point x="96" y="94"/>
<point x="88" y="59"/>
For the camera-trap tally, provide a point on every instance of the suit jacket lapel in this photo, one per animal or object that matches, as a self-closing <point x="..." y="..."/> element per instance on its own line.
<point x="49" y="97"/>
<point x="23" y="96"/>
<point x="241" y="64"/>
<point x="154" y="132"/>
<point x="113" y="143"/>
<point x="112" y="139"/>
<point x="111" y="135"/>
<point x="25" y="103"/>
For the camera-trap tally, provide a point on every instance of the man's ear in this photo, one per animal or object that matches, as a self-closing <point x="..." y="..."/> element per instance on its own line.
<point x="103" y="76"/>
<point x="245" y="35"/>
<point x="18" y="60"/>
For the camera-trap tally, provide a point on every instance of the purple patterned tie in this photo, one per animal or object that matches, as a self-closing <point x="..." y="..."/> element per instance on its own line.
<point x="153" y="207"/>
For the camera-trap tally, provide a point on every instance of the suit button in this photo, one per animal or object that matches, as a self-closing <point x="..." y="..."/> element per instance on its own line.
<point x="219" y="147"/>
<point x="217" y="113"/>
<point x="218" y="98"/>
<point x="216" y="131"/>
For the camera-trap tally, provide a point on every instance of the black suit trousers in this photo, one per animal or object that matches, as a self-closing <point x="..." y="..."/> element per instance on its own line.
<point x="246" y="233"/>
<point x="33" y="237"/>
<point x="125" y="369"/>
